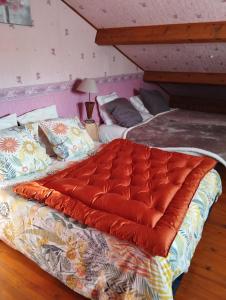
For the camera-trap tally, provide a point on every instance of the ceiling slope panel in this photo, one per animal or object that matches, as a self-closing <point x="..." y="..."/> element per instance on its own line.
<point x="179" y="58"/>
<point x="120" y="13"/>
<point x="206" y="57"/>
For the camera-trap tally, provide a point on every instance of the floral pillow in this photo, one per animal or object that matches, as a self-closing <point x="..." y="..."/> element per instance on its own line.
<point x="68" y="137"/>
<point x="20" y="154"/>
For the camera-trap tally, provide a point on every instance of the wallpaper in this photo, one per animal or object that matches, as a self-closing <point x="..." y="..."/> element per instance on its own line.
<point x="58" y="47"/>
<point x="183" y="57"/>
<point x="118" y="13"/>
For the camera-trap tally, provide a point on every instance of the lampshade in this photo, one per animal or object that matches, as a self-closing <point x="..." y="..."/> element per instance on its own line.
<point x="87" y="86"/>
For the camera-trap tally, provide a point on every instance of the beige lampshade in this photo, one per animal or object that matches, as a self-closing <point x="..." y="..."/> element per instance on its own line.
<point x="87" y="86"/>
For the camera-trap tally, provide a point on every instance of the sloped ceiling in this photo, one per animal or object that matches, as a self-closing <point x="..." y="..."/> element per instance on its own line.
<point x="205" y="58"/>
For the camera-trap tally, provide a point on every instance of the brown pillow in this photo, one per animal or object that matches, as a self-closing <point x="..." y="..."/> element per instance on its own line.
<point x="44" y="141"/>
<point x="123" y="112"/>
<point x="154" y="101"/>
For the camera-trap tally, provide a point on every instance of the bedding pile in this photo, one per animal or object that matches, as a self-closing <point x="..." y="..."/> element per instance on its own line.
<point x="130" y="191"/>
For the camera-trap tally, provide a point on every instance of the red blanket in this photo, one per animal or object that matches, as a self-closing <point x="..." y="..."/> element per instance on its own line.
<point x="131" y="191"/>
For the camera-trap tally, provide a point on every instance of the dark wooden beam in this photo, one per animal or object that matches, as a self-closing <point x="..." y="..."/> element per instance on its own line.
<point x="207" y="32"/>
<point x="186" y="77"/>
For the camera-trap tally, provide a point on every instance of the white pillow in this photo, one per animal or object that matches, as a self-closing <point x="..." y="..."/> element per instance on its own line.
<point x="101" y="100"/>
<point x="40" y="114"/>
<point x="138" y="104"/>
<point x="8" y="121"/>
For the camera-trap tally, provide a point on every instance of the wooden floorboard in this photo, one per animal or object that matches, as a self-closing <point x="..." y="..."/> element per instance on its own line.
<point x="206" y="280"/>
<point x="21" y="279"/>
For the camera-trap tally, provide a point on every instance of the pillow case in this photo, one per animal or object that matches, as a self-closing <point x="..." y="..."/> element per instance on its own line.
<point x="123" y="112"/>
<point x="40" y="137"/>
<point x="8" y="121"/>
<point x="102" y="100"/>
<point x="138" y="104"/>
<point x="31" y="118"/>
<point x="154" y="101"/>
<point x="68" y="137"/>
<point x="40" y="114"/>
<point x="20" y="154"/>
<point x="32" y="128"/>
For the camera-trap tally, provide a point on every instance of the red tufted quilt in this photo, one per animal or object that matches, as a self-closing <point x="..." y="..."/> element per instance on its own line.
<point x="131" y="191"/>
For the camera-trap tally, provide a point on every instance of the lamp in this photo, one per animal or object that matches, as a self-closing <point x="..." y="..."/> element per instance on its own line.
<point x="88" y="85"/>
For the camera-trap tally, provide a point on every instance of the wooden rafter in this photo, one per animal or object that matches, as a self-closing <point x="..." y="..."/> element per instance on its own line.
<point x="207" y="32"/>
<point x="186" y="77"/>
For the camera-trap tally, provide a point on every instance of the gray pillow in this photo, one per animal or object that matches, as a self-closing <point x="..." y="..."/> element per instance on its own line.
<point x="123" y="112"/>
<point x="154" y="101"/>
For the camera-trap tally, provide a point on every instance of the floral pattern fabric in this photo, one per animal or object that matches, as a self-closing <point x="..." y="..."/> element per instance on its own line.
<point x="33" y="130"/>
<point x="95" y="264"/>
<point x="68" y="137"/>
<point x="20" y="153"/>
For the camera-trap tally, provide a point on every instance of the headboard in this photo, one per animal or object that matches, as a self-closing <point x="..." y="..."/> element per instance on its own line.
<point x="200" y="97"/>
<point x="199" y="104"/>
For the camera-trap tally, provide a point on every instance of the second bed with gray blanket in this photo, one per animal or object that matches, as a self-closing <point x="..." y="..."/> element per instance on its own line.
<point x="183" y="130"/>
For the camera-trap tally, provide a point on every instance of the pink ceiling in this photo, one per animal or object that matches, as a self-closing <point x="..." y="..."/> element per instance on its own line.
<point x="183" y="57"/>
<point x="205" y="58"/>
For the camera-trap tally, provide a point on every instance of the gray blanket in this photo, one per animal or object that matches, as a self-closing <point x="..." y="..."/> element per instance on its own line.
<point x="186" y="131"/>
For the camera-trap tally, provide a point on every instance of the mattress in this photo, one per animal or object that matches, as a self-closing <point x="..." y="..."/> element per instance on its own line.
<point x="95" y="264"/>
<point x="107" y="133"/>
<point x="184" y="131"/>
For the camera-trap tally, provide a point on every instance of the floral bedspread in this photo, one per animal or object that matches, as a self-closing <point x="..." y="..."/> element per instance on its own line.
<point x="95" y="264"/>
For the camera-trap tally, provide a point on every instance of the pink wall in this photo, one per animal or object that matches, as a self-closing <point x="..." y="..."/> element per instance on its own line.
<point x="58" y="49"/>
<point x="70" y="104"/>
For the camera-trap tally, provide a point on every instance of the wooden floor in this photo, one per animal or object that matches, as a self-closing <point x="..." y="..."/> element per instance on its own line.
<point x="206" y="279"/>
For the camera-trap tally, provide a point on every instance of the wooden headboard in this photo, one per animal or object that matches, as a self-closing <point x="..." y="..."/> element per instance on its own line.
<point x="199" y="104"/>
<point x="199" y="97"/>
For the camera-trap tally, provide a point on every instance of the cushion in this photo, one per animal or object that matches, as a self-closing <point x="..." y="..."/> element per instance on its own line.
<point x="154" y="101"/>
<point x="40" y="114"/>
<point x="130" y="191"/>
<point x="8" y="121"/>
<point x="123" y="112"/>
<point x="20" y="154"/>
<point x="68" y="137"/>
<point x="102" y="100"/>
<point x="138" y="104"/>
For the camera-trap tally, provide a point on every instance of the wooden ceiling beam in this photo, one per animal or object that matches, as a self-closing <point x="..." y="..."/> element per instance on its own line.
<point x="207" y="32"/>
<point x="186" y="77"/>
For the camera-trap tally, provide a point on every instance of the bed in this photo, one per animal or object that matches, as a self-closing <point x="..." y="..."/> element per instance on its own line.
<point x="181" y="130"/>
<point x="184" y="131"/>
<point x="108" y="133"/>
<point x="95" y="264"/>
<point x="92" y="263"/>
